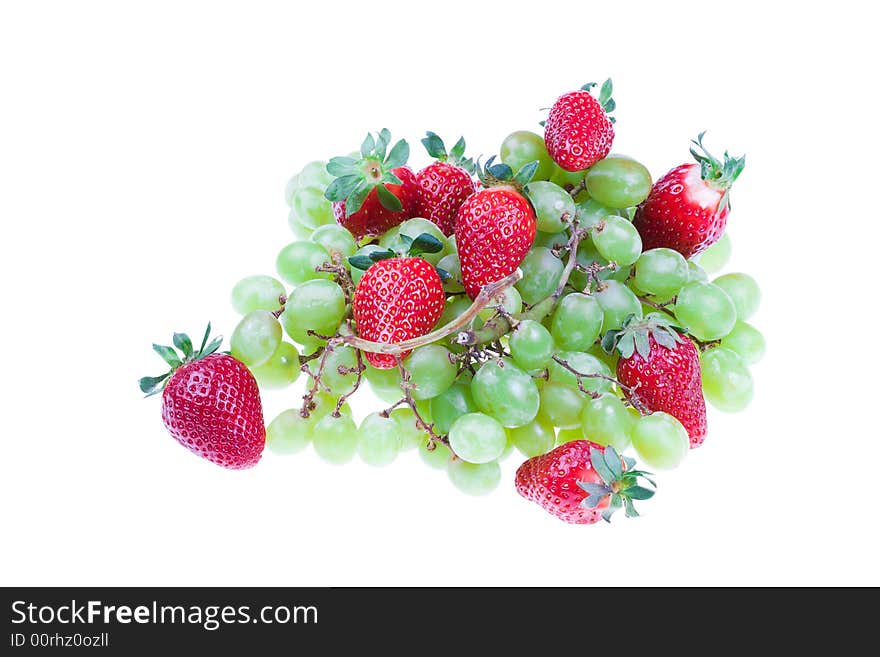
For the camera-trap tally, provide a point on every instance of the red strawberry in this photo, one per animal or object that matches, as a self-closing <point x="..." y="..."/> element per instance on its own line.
<point x="578" y="131"/>
<point x="580" y="482"/>
<point x="375" y="193"/>
<point x="397" y="299"/>
<point x="687" y="208"/>
<point x="663" y="367"/>
<point x="210" y="403"/>
<point x="443" y="185"/>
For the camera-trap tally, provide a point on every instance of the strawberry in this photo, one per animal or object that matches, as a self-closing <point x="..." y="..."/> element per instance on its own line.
<point x="376" y="192"/>
<point x="687" y="208"/>
<point x="445" y="184"/>
<point x="210" y="403"/>
<point x="578" y="131"/>
<point x="396" y="299"/>
<point x="495" y="227"/>
<point x="663" y="367"/>
<point x="580" y="482"/>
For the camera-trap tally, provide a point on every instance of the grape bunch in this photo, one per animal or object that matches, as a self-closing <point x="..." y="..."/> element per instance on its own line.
<point x="554" y="301"/>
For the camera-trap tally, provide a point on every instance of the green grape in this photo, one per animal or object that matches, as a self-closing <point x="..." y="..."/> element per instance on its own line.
<point x="727" y="382"/>
<point x="451" y="244"/>
<point x="289" y="432"/>
<point x="311" y="207"/>
<point x="450" y="404"/>
<point x="335" y="438"/>
<point x="536" y="437"/>
<point x="317" y="305"/>
<point x="696" y="274"/>
<point x="505" y="392"/>
<point x="554" y="207"/>
<point x="610" y="360"/>
<point x="326" y="403"/>
<point x="716" y="256"/>
<point x="301" y="230"/>
<point x="747" y="341"/>
<point x="743" y="290"/>
<point x="541" y="273"/>
<point x="256" y="338"/>
<point x="567" y="435"/>
<point x="315" y="174"/>
<point x="586" y="365"/>
<point x="661" y="271"/>
<point x="357" y="274"/>
<point x="430" y="370"/>
<point x="340" y="369"/>
<point x="280" y="370"/>
<point x="521" y="147"/>
<point x="452" y="266"/>
<point x="438" y="458"/>
<point x="618" y="182"/>
<point x="378" y="440"/>
<point x="477" y="438"/>
<point x="617" y="302"/>
<point x="550" y="240"/>
<point x="605" y="420"/>
<point x="561" y="405"/>
<point x="474" y="478"/>
<point x="567" y="179"/>
<point x="705" y="310"/>
<point x="591" y="212"/>
<point x="290" y="189"/>
<point x="453" y="310"/>
<point x="257" y="293"/>
<point x="531" y="345"/>
<point x="511" y="302"/>
<point x="412" y="228"/>
<point x="335" y="239"/>
<point x="617" y="240"/>
<point x="384" y="383"/>
<point x="411" y="437"/>
<point x="660" y="441"/>
<point x="297" y="261"/>
<point x="577" y="322"/>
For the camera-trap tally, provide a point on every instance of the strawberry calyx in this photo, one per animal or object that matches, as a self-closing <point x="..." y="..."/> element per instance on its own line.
<point x="497" y="175"/>
<point x="720" y="174"/>
<point x="632" y="337"/>
<point x="408" y="248"/>
<point x="620" y="482"/>
<point x="355" y="178"/>
<point x="605" y="99"/>
<point x="437" y="149"/>
<point x="151" y="385"/>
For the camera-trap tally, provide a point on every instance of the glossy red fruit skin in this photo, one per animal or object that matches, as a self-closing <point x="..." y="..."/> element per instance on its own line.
<point x="494" y="230"/>
<point x="397" y="299"/>
<point x="681" y="213"/>
<point x="443" y="187"/>
<point x="373" y="218"/>
<point x="578" y="132"/>
<point x="212" y="407"/>
<point x="550" y="480"/>
<point x="669" y="381"/>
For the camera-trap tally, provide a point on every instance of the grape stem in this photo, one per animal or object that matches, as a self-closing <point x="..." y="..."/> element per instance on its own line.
<point x="658" y="306"/>
<point x="358" y="370"/>
<point x="406" y="385"/>
<point x="630" y="391"/>
<point x="577" y="189"/>
<point x="309" y="398"/>
<point x="343" y="276"/>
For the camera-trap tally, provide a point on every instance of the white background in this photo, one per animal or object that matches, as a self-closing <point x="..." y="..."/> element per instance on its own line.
<point x="144" y="149"/>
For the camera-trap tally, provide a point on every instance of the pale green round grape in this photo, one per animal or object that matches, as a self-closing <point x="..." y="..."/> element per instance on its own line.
<point x="326" y="403"/>
<point x="451" y="244"/>
<point x="567" y="435"/>
<point x="300" y="229"/>
<point x="591" y="212"/>
<point x="477" y="438"/>
<point x="315" y="305"/>
<point x="705" y="310"/>
<point x="618" y="302"/>
<point x="610" y="360"/>
<point x="541" y="273"/>
<point x="335" y="438"/>
<point x="452" y="266"/>
<point x="296" y="262"/>
<point x="438" y="458"/>
<point x="660" y="441"/>
<point x="505" y="392"/>
<point x="357" y="274"/>
<point x="431" y="371"/>
<point x="617" y="240"/>
<point x="453" y="310"/>
<point x="714" y="258"/>
<point x="531" y="345"/>
<point x="727" y="382"/>
<point x="257" y="293"/>
<point x="618" y="181"/>
<point x="451" y="404"/>
<point x="289" y="432"/>
<point x="696" y="274"/>
<point x="606" y="421"/>
<point x="577" y="322"/>
<point x="521" y="147"/>
<point x="311" y="207"/>
<point x="411" y="437"/>
<point x="536" y="437"/>
<point x="335" y="239"/>
<point x="290" y="189"/>
<point x="280" y="370"/>
<point x="474" y="478"/>
<point x="747" y="341"/>
<point x="384" y="383"/>
<point x="567" y="179"/>
<point x="554" y="207"/>
<point x="511" y="302"/>
<point x="661" y="271"/>
<point x="256" y="338"/>
<point x="561" y="405"/>
<point x="584" y="364"/>
<point x="743" y="290"/>
<point x="586" y="256"/>
<point x="340" y="369"/>
<point x="315" y="174"/>
<point x="412" y="228"/>
<point x="378" y="440"/>
<point x="550" y="240"/>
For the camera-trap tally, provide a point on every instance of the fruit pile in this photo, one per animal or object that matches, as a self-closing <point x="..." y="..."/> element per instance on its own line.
<point x="554" y="301"/>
